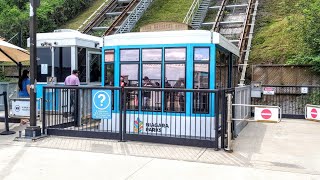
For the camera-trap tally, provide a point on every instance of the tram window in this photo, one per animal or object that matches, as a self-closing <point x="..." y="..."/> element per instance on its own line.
<point x="95" y="67"/>
<point x="109" y="56"/>
<point x="129" y="55"/>
<point x="201" y="76"/>
<point x="65" y="59"/>
<point x="201" y="54"/>
<point x="221" y="69"/>
<point x="62" y="63"/>
<point x="82" y="64"/>
<point x="201" y="81"/>
<point x="175" y="54"/>
<point x="175" y="78"/>
<point x="151" y="54"/>
<point x="44" y="55"/>
<point x="109" y="75"/>
<point x="151" y="74"/>
<point x="130" y="74"/>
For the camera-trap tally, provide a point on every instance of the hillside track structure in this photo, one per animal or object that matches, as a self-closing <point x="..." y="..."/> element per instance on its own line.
<point x="234" y="19"/>
<point x="116" y="17"/>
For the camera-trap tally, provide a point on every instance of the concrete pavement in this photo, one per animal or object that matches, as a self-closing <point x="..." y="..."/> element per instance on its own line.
<point x="288" y="150"/>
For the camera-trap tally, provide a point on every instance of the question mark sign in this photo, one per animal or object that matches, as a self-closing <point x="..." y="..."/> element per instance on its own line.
<point x="103" y="98"/>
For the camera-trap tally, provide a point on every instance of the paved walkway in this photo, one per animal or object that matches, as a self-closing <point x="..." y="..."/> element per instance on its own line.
<point x="288" y="150"/>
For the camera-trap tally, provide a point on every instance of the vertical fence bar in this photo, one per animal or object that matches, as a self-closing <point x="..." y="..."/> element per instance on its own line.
<point x="44" y="110"/>
<point x="121" y="108"/>
<point x="217" y="118"/>
<point x="223" y="119"/>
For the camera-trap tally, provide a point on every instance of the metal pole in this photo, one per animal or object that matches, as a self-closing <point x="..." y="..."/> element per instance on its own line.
<point x="229" y="121"/>
<point x="33" y="69"/>
<point x="52" y="61"/>
<point x="33" y="61"/>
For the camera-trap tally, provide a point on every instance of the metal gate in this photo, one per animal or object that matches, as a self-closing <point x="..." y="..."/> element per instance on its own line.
<point x="194" y="117"/>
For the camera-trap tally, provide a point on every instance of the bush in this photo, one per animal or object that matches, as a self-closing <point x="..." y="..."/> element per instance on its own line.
<point x="14" y="15"/>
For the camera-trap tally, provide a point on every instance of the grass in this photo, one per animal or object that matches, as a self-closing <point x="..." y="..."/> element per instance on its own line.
<point x="77" y="21"/>
<point x="277" y="36"/>
<point x="165" y="10"/>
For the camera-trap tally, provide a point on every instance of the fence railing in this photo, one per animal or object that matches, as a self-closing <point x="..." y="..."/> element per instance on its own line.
<point x="164" y="115"/>
<point x="291" y="99"/>
<point x="242" y="95"/>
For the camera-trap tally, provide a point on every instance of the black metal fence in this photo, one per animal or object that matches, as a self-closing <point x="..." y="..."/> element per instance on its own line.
<point x="291" y="99"/>
<point x="194" y="117"/>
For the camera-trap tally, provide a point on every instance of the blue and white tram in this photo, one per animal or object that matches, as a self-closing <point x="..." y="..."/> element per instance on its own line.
<point x="190" y="59"/>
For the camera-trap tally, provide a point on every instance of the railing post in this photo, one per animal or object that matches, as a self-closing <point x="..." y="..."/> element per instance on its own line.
<point x="76" y="109"/>
<point x="121" y="113"/>
<point x="217" y="119"/>
<point x="229" y="121"/>
<point x="43" y="110"/>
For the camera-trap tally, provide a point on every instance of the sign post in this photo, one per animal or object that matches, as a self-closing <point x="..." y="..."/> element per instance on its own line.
<point x="101" y="101"/>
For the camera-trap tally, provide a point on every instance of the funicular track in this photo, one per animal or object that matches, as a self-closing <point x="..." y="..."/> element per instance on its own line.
<point x="100" y="16"/>
<point x="235" y="20"/>
<point x="122" y="17"/>
<point x="117" y="16"/>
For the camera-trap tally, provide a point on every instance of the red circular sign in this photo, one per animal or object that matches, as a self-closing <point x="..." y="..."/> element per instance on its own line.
<point x="314" y="113"/>
<point x="266" y="114"/>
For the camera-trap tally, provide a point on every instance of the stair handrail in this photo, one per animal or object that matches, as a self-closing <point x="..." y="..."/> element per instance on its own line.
<point x="192" y="10"/>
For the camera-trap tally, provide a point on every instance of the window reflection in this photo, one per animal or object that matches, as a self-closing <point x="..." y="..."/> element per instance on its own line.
<point x="130" y="74"/>
<point x="151" y="78"/>
<point x="109" y="75"/>
<point x="109" y="56"/>
<point x="175" y="54"/>
<point x="129" y="55"/>
<point x="201" y="76"/>
<point x="151" y="54"/>
<point x="201" y="81"/>
<point x="153" y="72"/>
<point x="201" y="54"/>
<point x="82" y="64"/>
<point x="175" y="78"/>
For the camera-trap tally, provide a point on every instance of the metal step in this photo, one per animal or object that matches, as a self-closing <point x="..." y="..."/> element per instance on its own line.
<point x="222" y="23"/>
<point x="229" y="6"/>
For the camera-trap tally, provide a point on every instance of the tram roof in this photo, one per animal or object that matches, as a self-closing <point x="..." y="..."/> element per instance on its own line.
<point x="67" y="38"/>
<point x="170" y="37"/>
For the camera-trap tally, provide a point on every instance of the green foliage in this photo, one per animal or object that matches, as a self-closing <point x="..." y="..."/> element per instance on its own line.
<point x="287" y="31"/>
<point x="313" y="98"/>
<point x="310" y="29"/>
<point x="14" y="15"/>
<point x="76" y="22"/>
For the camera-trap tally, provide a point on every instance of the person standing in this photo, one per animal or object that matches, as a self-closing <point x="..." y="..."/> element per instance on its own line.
<point x="24" y="89"/>
<point x="72" y="80"/>
<point x="24" y="84"/>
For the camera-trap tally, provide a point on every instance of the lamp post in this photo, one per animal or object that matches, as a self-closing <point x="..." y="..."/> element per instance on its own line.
<point x="33" y="130"/>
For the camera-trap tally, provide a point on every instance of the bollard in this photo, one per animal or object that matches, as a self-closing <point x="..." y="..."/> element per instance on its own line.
<point x="6" y="116"/>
